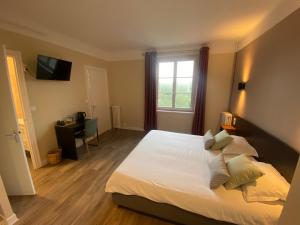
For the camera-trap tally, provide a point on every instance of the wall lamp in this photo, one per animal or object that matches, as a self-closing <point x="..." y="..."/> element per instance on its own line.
<point x="241" y="86"/>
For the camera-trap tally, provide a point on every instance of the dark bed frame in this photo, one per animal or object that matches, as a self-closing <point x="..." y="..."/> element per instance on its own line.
<point x="270" y="150"/>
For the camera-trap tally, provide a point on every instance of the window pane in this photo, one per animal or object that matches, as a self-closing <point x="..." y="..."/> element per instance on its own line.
<point x="165" y="92"/>
<point x="183" y="92"/>
<point x="183" y="101"/>
<point x="185" y="68"/>
<point x="184" y="85"/>
<point x="166" y="69"/>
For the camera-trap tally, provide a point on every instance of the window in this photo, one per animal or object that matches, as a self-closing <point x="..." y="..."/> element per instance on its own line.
<point x="175" y="84"/>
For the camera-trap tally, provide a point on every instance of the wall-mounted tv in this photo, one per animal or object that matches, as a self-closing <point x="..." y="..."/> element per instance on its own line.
<point x="49" y="68"/>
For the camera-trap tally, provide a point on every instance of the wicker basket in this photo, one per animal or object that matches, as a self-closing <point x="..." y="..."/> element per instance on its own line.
<point x="54" y="156"/>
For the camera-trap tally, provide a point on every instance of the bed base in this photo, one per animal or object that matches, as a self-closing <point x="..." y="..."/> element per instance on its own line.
<point x="163" y="211"/>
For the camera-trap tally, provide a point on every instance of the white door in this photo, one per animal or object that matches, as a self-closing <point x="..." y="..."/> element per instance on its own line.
<point x="98" y="98"/>
<point x="13" y="164"/>
<point x="22" y="105"/>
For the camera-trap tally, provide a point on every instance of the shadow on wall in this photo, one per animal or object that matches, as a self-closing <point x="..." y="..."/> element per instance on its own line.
<point x="245" y="77"/>
<point x="241" y="102"/>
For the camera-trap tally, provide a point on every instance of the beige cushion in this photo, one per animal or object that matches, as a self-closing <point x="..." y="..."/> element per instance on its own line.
<point x="208" y="139"/>
<point x="242" y="171"/>
<point x="222" y="139"/>
<point x="218" y="171"/>
<point x="270" y="187"/>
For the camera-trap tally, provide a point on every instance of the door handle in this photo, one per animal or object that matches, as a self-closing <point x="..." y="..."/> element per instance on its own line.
<point x="14" y="134"/>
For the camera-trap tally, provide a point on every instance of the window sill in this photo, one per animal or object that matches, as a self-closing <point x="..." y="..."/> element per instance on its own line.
<point x="175" y="111"/>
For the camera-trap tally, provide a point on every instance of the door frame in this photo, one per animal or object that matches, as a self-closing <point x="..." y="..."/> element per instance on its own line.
<point x="8" y="214"/>
<point x="28" y="121"/>
<point x="87" y="84"/>
<point x="88" y="94"/>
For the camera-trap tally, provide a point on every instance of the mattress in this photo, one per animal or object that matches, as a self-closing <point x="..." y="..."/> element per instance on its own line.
<point x="172" y="168"/>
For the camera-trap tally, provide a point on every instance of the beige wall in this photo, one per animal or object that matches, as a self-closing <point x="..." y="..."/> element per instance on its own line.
<point x="271" y="67"/>
<point x="126" y="84"/>
<point x="53" y="99"/>
<point x="175" y="121"/>
<point x="219" y="83"/>
<point x="126" y="88"/>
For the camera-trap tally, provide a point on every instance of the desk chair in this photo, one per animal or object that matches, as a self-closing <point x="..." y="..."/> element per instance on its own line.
<point x="90" y="129"/>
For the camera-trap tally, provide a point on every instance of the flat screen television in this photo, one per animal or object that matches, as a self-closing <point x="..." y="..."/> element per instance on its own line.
<point x="49" y="68"/>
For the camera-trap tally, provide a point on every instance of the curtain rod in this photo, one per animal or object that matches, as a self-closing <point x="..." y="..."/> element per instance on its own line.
<point x="178" y="51"/>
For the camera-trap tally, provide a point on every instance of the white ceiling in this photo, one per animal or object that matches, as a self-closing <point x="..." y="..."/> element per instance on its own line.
<point x="118" y="26"/>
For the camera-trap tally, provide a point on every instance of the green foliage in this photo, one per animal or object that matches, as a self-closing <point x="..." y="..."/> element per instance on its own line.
<point x="164" y="100"/>
<point x="183" y="100"/>
<point x="183" y="93"/>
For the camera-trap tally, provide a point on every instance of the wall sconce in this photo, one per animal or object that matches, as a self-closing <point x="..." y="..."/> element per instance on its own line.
<point x="242" y="86"/>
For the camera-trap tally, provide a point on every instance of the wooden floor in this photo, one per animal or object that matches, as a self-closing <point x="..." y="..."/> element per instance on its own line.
<point x="73" y="191"/>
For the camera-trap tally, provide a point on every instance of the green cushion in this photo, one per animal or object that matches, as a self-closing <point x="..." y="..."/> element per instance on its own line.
<point x="242" y="171"/>
<point x="221" y="140"/>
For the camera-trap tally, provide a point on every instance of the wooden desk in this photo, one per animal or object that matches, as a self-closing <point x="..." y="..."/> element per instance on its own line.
<point x="65" y="136"/>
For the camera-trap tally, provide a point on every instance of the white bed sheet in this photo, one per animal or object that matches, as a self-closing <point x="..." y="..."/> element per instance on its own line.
<point x="173" y="168"/>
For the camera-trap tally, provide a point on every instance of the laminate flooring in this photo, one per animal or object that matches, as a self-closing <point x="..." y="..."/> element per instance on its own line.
<point x="72" y="192"/>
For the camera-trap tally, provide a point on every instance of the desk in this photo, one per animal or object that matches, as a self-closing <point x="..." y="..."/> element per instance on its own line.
<point x="65" y="136"/>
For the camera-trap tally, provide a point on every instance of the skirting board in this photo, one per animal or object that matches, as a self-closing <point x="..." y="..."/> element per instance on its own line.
<point x="10" y="220"/>
<point x="133" y="128"/>
<point x="44" y="162"/>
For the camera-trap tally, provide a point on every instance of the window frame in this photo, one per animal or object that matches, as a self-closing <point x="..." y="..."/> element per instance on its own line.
<point x="175" y="59"/>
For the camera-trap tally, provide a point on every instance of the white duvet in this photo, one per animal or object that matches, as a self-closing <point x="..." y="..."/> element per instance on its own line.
<point x="173" y="168"/>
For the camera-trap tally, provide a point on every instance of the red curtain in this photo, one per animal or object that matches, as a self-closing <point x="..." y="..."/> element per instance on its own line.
<point x="199" y="114"/>
<point x="150" y="122"/>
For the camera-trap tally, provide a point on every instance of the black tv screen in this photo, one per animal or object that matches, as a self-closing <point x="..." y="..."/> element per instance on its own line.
<point x="49" y="68"/>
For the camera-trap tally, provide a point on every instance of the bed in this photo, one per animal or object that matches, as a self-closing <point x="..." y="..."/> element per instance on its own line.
<point x="167" y="176"/>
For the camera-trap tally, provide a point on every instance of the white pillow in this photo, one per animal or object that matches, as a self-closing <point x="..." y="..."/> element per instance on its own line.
<point x="218" y="171"/>
<point x="239" y="145"/>
<point x="270" y="187"/>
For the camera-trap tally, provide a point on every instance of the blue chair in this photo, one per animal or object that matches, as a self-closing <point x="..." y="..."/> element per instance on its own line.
<point x="90" y="130"/>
